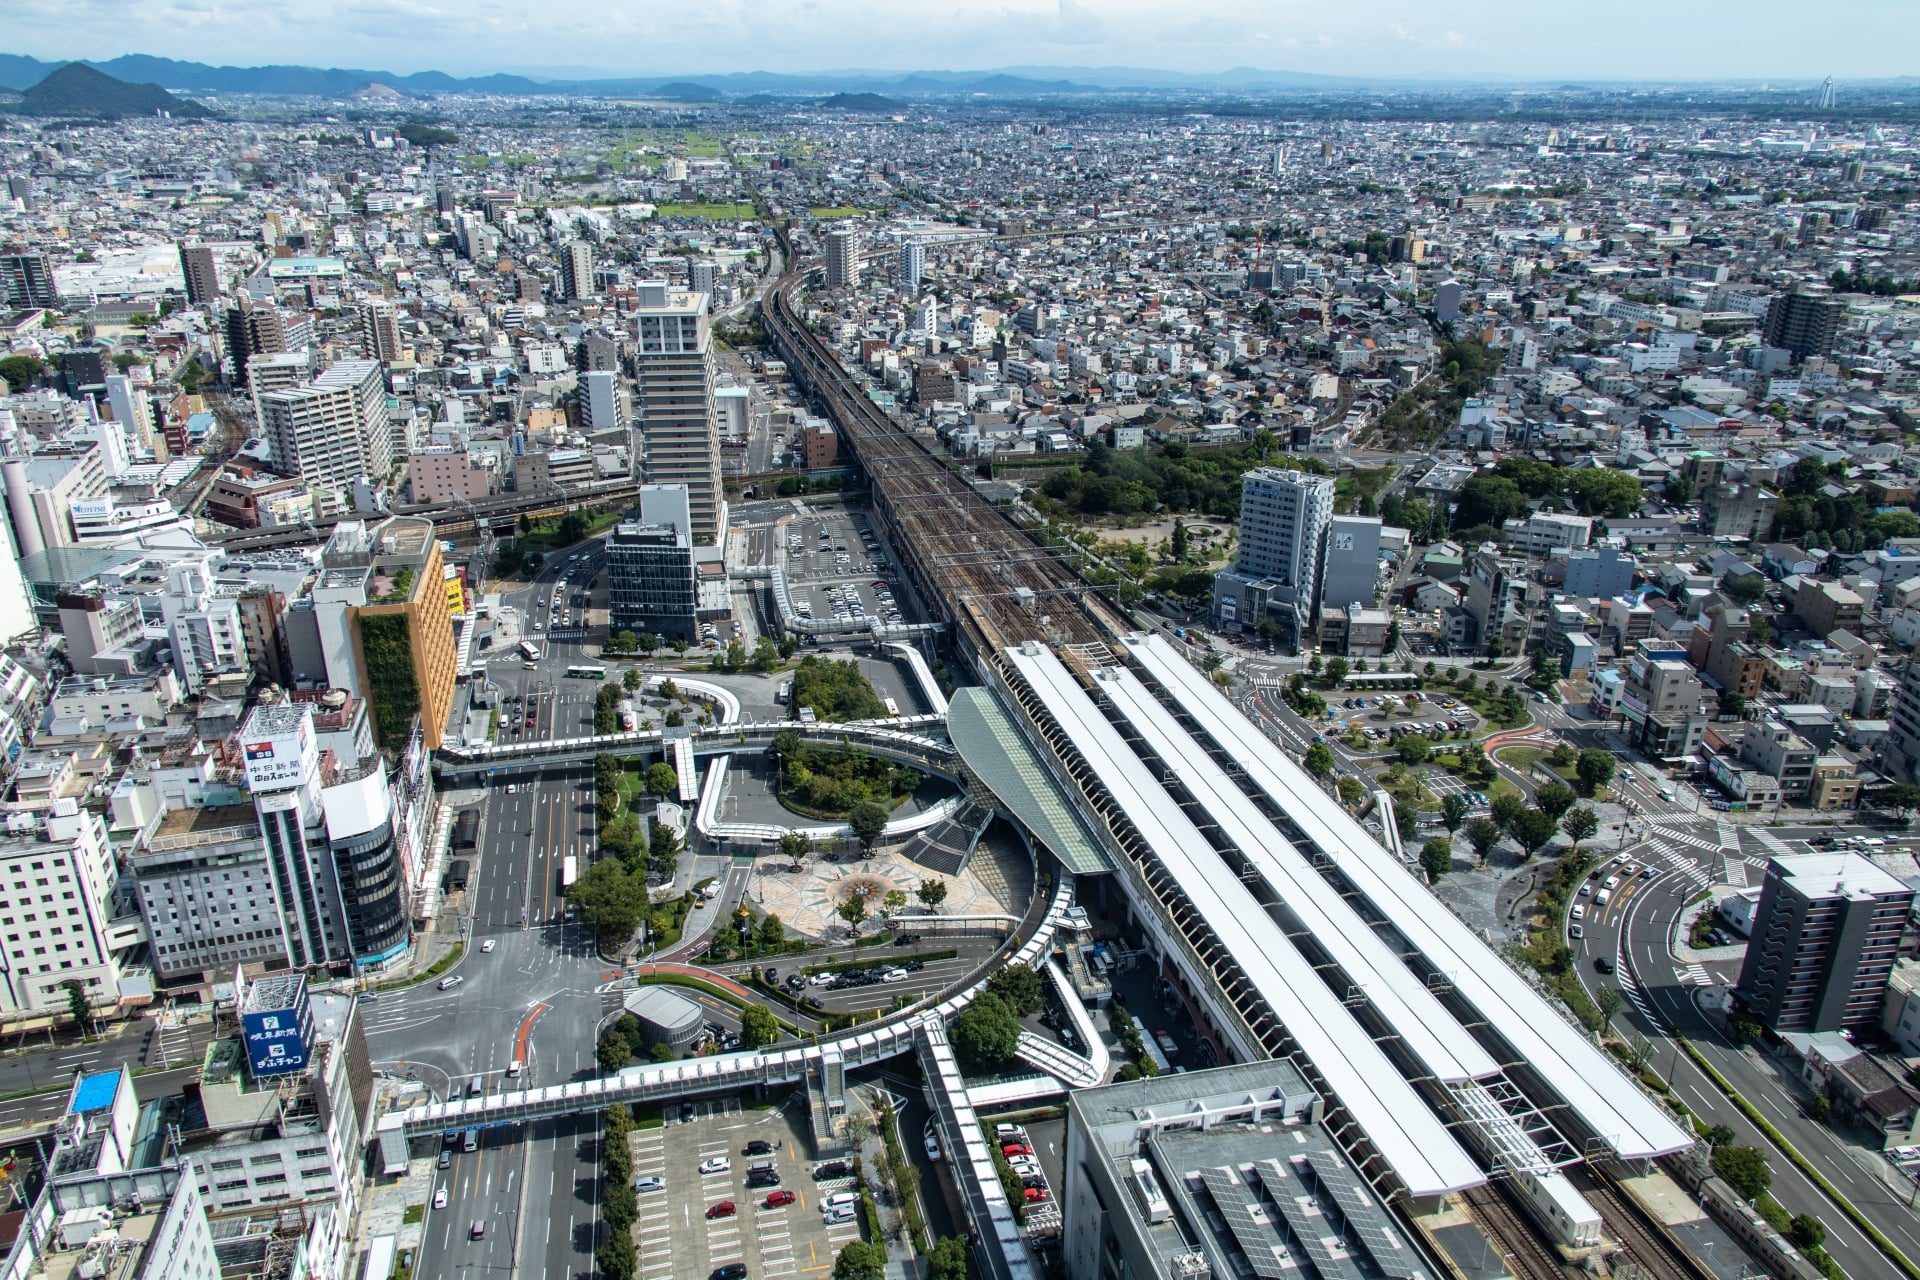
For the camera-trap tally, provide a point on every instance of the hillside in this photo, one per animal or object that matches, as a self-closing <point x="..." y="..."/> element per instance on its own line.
<point x="862" y="102"/>
<point x="77" y="90"/>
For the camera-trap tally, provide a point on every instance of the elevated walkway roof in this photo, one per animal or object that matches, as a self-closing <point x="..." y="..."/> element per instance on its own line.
<point x="991" y="744"/>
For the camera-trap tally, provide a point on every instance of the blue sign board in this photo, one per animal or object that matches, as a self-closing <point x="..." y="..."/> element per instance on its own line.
<point x="276" y="1043"/>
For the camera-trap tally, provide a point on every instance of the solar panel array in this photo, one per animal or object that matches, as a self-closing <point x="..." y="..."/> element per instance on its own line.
<point x="1252" y="1230"/>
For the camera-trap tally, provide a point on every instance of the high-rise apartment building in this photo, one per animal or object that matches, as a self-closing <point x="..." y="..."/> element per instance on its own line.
<point x="380" y="330"/>
<point x="913" y="265"/>
<point x="1824" y="938"/>
<point x="1284" y="518"/>
<point x="252" y="331"/>
<point x="600" y="401"/>
<point x="576" y="270"/>
<point x="843" y="259"/>
<point x="680" y="441"/>
<point x="26" y="280"/>
<point x="202" y="274"/>
<point x="314" y="433"/>
<point x="375" y="428"/>
<point x="1804" y="323"/>
<point x="703" y="276"/>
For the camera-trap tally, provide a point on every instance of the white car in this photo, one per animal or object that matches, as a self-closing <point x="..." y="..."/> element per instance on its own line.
<point x="488" y="945"/>
<point x="894" y="975"/>
<point x="440" y="1198"/>
<point x="715" y="1164"/>
<point x="447" y="984"/>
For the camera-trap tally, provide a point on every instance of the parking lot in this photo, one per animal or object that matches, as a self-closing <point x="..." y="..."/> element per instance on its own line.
<point x="837" y="568"/>
<point x="677" y="1238"/>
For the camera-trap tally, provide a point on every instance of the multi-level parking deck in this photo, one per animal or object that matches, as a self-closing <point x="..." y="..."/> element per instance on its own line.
<point x="1276" y="988"/>
<point x="1589" y="1098"/>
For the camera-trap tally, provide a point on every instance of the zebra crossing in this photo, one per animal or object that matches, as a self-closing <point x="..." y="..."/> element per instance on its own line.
<point x="1695" y="975"/>
<point x="1684" y="863"/>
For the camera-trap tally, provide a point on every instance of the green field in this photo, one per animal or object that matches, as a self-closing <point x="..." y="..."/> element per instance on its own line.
<point x="711" y="212"/>
<point x="825" y="212"/>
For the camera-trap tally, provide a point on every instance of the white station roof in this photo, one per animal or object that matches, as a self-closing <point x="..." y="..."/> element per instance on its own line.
<point x="1408" y="1135"/>
<point x="1434" y="1036"/>
<point x="1598" y="1091"/>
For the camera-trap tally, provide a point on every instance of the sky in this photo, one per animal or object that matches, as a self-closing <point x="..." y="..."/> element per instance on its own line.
<point x="1787" y="40"/>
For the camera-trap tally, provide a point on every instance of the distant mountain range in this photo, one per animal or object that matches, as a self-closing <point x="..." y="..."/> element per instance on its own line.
<point x="20" y="72"/>
<point x="77" y="90"/>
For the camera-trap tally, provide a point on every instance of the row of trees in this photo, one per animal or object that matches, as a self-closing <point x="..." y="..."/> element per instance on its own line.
<point x="616" y="1257"/>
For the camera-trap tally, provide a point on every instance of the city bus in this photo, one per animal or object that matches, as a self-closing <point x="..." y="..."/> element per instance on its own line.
<point x="586" y="673"/>
<point x="528" y="651"/>
<point x="893" y="708"/>
<point x="569" y="871"/>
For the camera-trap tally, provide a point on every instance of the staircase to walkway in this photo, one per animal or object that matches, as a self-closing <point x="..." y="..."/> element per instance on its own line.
<point x="947" y="847"/>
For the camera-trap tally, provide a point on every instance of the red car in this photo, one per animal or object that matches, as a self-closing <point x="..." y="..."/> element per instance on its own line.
<point x="1016" y="1149"/>
<point x="722" y="1210"/>
<point x="1036" y="1194"/>
<point x="780" y="1198"/>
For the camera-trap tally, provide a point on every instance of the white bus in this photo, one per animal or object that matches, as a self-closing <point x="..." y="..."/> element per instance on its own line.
<point x="528" y="651"/>
<point x="569" y="871"/>
<point x="893" y="708"/>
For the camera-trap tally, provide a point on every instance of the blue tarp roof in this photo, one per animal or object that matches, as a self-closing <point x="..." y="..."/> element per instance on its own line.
<point x="96" y="1091"/>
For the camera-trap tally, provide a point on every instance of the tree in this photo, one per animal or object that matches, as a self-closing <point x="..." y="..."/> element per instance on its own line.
<point x="1732" y="703"/>
<point x="1744" y="1169"/>
<point x="1436" y="858"/>
<point x="1902" y="797"/>
<point x="663" y="850"/>
<point x="931" y="893"/>
<point x="20" y="371"/>
<point x="1319" y="760"/>
<point x="1608" y="999"/>
<point x="632" y="680"/>
<point x="1718" y="1135"/>
<point x="1351" y="790"/>
<point x="77" y="1003"/>
<point x="1554" y="799"/>
<point x="895" y="902"/>
<point x="773" y="934"/>
<point x="1020" y="987"/>
<point x="1594" y="768"/>
<point x="1597" y="491"/>
<point x="1336" y="670"/>
<point x="1531" y="828"/>
<point x="985" y="1034"/>
<point x="1806" y="1232"/>
<point x="616" y="1258"/>
<point x="1179" y="541"/>
<point x="758" y="1026"/>
<point x="613" y="1051"/>
<point x="868" y="820"/>
<point x="1453" y="811"/>
<point x="1482" y="834"/>
<point x="853" y="911"/>
<point x="1413" y="748"/>
<point x="947" y="1260"/>
<point x="1489" y="500"/>
<point x="765" y="656"/>
<point x="610" y="900"/>
<point x="646" y="642"/>
<point x="661" y="779"/>
<point x="1579" y="824"/>
<point x="1506" y="807"/>
<point x="859" y="1260"/>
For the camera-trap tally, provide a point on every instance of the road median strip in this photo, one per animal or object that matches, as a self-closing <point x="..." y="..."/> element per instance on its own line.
<point x="1800" y="1162"/>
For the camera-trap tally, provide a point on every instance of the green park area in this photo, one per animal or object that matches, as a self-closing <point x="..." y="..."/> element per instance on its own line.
<point x="711" y="212"/>
<point x="831" y="782"/>
<point x="835" y="690"/>
<point x="827" y="212"/>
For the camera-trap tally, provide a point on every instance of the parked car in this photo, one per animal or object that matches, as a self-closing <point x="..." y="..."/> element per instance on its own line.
<point x="722" y="1210"/>
<point x="649" y="1182"/>
<point x="758" y="1147"/>
<point x="729" y="1271"/>
<point x="715" y="1164"/>
<point x="781" y="1198"/>
<point x="830" y="1170"/>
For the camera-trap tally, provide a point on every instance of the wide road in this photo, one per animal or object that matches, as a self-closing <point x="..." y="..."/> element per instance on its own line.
<point x="534" y="997"/>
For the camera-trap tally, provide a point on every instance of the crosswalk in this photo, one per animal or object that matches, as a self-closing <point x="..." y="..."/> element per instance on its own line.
<point x="1679" y="860"/>
<point x="1695" y="975"/>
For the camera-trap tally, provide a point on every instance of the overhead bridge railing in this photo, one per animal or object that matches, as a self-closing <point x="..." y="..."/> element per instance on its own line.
<point x="658" y="1081"/>
<point x="896" y="735"/>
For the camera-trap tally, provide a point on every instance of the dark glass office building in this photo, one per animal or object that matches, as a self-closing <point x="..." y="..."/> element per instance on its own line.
<point x="651" y="584"/>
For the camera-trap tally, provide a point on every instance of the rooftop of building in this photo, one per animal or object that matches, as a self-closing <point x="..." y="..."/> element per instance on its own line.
<point x="275" y="991"/>
<point x="1843" y="875"/>
<point x="181" y="827"/>
<point x="274" y="718"/>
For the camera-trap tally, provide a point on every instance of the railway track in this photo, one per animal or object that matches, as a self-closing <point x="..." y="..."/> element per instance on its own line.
<point x="999" y="585"/>
<point x="1526" y="1254"/>
<point x="1657" y="1252"/>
